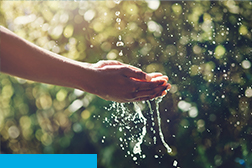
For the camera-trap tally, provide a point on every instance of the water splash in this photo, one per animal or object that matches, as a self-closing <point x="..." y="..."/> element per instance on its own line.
<point x="137" y="147"/>
<point x="157" y="101"/>
<point x="133" y="125"/>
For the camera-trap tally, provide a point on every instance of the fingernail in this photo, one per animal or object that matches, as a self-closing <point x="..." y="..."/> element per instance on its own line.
<point x="164" y="83"/>
<point x="168" y="87"/>
<point x="148" y="77"/>
<point x="164" y="93"/>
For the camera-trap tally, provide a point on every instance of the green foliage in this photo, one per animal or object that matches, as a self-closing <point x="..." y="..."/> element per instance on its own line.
<point x="204" y="47"/>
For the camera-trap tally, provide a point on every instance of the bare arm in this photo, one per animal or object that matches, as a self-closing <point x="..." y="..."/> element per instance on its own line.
<point x="24" y="59"/>
<point x="110" y="80"/>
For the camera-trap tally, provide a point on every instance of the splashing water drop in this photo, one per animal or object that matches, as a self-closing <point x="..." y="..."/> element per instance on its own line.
<point x="117" y="13"/>
<point x="119" y="44"/>
<point x="118" y="20"/>
<point x="117" y="1"/>
<point x="175" y="163"/>
<point x="154" y="140"/>
<point x="121" y="53"/>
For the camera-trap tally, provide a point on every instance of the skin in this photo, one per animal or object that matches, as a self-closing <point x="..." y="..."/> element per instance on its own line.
<point x="110" y="80"/>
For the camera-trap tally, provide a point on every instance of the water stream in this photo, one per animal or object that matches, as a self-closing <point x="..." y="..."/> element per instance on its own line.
<point x="157" y="101"/>
<point x="130" y="119"/>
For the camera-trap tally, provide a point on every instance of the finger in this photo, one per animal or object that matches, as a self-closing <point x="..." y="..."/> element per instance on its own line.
<point x="164" y="78"/>
<point x="143" y="86"/>
<point x="155" y="74"/>
<point x="136" y="74"/>
<point x="169" y="86"/>
<point x="151" y="93"/>
<point x="163" y="93"/>
<point x="144" y="98"/>
<point x="133" y="67"/>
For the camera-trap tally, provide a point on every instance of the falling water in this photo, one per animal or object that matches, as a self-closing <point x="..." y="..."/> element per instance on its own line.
<point x="119" y="43"/>
<point x="132" y="123"/>
<point x="137" y="147"/>
<point x="157" y="101"/>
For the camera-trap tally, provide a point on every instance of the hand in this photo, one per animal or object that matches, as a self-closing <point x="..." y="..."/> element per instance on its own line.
<point x="115" y="81"/>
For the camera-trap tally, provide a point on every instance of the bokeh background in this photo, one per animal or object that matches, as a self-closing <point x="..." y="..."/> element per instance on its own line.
<point x="204" y="47"/>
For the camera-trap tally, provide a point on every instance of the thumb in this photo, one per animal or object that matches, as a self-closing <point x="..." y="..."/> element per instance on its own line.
<point x="137" y="74"/>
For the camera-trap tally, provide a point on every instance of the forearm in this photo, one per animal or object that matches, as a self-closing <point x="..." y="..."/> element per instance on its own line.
<point x="24" y="59"/>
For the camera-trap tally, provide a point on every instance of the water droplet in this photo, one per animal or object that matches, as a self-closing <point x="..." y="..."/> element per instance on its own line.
<point x="175" y="163"/>
<point x="121" y="53"/>
<point x="117" y="1"/>
<point x="154" y="140"/>
<point x="119" y="43"/>
<point x="118" y="20"/>
<point x="117" y="13"/>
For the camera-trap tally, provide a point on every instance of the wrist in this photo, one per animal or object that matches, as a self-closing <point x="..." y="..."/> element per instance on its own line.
<point x="83" y="77"/>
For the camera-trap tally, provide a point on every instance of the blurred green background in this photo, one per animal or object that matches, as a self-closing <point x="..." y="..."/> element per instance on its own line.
<point x="204" y="48"/>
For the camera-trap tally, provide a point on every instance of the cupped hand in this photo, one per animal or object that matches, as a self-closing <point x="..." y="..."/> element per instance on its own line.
<point x="115" y="81"/>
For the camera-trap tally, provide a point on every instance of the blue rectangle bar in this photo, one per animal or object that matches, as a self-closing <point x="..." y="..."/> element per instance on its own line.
<point x="48" y="160"/>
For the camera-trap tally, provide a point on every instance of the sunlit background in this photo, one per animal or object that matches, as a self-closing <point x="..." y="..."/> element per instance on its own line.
<point x="204" y="48"/>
